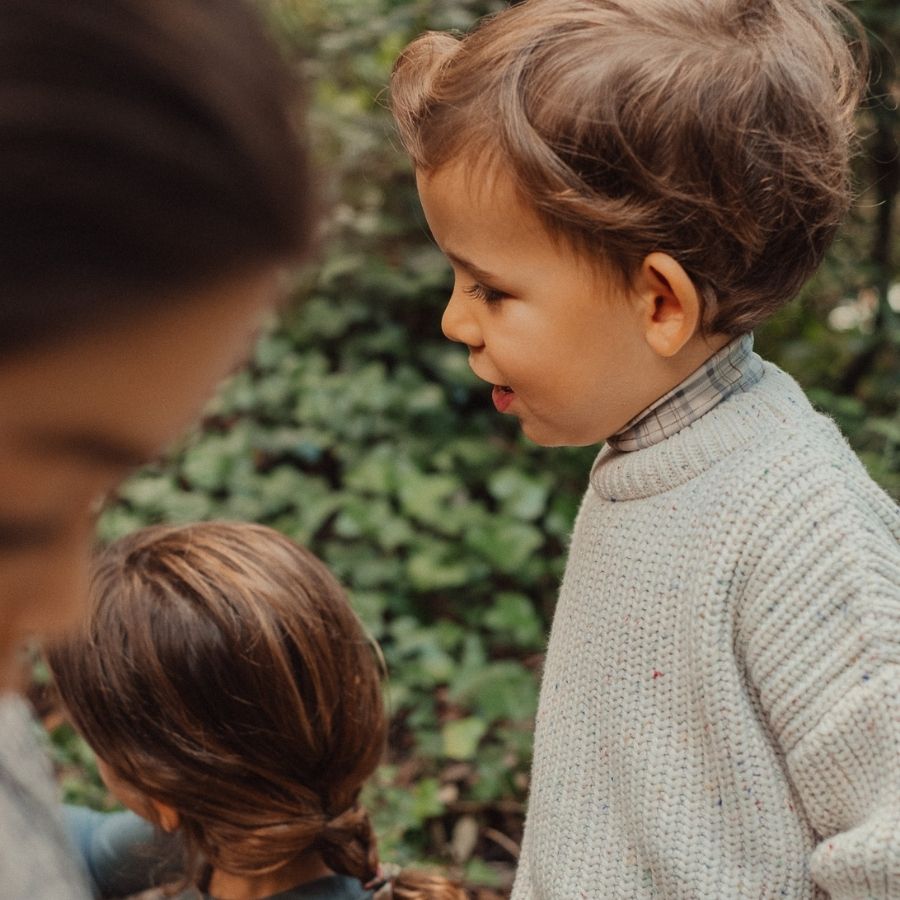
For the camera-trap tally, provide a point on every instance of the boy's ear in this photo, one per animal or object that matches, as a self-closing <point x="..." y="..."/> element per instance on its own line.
<point x="671" y="307"/>
<point x="167" y="816"/>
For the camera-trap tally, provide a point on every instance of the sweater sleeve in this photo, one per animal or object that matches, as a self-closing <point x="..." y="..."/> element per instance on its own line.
<point x="820" y="631"/>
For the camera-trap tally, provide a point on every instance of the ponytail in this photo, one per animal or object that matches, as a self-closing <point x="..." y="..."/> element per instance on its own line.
<point x="348" y="846"/>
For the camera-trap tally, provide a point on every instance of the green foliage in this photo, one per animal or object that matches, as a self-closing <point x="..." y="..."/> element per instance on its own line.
<point x="77" y="769"/>
<point x="359" y="431"/>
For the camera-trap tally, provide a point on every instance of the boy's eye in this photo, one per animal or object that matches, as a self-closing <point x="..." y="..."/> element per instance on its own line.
<point x="484" y="293"/>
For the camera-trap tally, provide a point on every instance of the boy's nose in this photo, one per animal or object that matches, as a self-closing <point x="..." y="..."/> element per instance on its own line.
<point x="459" y="322"/>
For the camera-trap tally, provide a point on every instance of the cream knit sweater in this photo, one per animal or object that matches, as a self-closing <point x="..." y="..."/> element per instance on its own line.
<point x="720" y="710"/>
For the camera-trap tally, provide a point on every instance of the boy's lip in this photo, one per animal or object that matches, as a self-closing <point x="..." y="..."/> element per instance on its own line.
<point x="501" y="394"/>
<point x="502" y="397"/>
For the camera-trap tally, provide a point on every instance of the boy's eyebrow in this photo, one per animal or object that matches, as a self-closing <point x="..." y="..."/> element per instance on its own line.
<point x="469" y="266"/>
<point x="88" y="448"/>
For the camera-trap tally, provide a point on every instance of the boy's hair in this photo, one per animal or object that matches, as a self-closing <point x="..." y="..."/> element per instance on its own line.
<point x="718" y="131"/>
<point x="147" y="148"/>
<point x="222" y="671"/>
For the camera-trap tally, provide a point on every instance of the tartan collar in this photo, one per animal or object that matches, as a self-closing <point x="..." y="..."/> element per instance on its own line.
<point x="734" y="368"/>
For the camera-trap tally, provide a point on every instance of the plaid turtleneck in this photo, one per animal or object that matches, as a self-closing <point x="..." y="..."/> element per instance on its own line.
<point x="733" y="369"/>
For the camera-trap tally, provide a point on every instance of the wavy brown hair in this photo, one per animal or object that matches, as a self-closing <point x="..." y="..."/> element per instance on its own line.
<point x="222" y="672"/>
<point x="718" y="131"/>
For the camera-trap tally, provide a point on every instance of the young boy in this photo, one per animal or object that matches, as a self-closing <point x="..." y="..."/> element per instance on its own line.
<point x="625" y="190"/>
<point x="152" y="188"/>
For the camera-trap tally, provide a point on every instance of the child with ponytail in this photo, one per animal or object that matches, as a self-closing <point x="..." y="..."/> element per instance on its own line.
<point x="233" y="698"/>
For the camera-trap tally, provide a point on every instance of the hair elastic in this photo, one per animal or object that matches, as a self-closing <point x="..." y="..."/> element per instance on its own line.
<point x="382" y="885"/>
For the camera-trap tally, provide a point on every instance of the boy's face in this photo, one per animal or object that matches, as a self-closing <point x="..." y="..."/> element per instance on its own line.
<point x="562" y="344"/>
<point x="77" y="415"/>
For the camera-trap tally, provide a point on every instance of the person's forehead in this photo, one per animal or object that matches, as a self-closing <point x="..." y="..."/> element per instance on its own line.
<point x="469" y="215"/>
<point x="488" y="228"/>
<point x="121" y="392"/>
<point x="89" y="413"/>
<point x="468" y="182"/>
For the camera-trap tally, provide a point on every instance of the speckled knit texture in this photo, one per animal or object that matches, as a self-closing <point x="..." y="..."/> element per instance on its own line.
<point x="720" y="709"/>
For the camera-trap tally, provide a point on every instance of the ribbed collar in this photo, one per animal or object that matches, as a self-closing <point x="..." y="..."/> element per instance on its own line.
<point x="734" y="368"/>
<point x="773" y="404"/>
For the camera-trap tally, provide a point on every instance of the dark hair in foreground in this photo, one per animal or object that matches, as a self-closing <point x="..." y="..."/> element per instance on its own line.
<point x="718" y="131"/>
<point x="222" y="671"/>
<point x="147" y="148"/>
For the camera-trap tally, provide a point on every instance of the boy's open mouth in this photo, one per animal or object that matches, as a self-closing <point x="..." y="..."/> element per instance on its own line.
<point x="502" y="395"/>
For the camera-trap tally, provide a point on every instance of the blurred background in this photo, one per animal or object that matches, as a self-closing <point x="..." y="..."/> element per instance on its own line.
<point x="359" y="431"/>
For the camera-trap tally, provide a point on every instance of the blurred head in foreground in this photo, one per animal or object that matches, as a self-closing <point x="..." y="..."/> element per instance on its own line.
<point x="229" y="691"/>
<point x="153" y="185"/>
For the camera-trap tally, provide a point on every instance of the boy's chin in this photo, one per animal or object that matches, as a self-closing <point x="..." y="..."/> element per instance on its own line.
<point x="545" y="437"/>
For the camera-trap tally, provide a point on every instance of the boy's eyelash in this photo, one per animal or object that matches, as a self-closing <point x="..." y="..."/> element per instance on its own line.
<point x="484" y="293"/>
